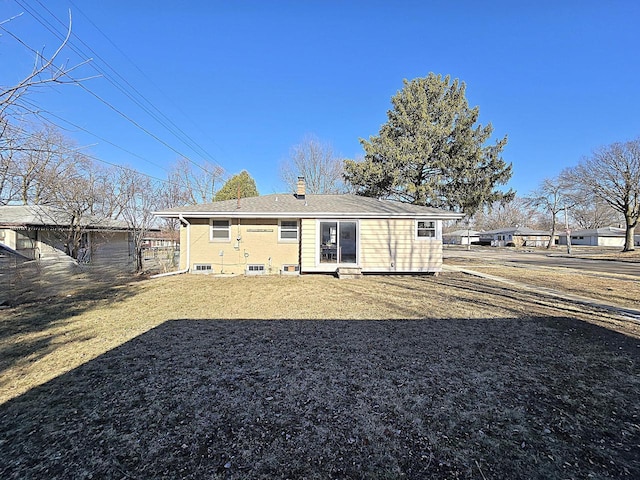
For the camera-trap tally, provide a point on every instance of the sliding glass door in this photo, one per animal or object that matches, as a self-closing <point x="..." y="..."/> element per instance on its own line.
<point x="338" y="242"/>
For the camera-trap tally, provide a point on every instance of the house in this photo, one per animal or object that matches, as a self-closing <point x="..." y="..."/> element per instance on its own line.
<point x="299" y="233"/>
<point x="597" y="237"/>
<point x="515" y="237"/>
<point x="42" y="233"/>
<point x="461" y="237"/>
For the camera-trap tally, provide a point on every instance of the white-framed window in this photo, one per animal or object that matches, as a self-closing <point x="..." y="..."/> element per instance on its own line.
<point x="288" y="230"/>
<point x="220" y="230"/>
<point x="255" y="269"/>
<point x="202" y="267"/>
<point x="426" y="228"/>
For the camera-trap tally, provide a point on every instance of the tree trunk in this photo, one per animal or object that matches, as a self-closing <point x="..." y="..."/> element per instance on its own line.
<point x="553" y="234"/>
<point x="629" y="245"/>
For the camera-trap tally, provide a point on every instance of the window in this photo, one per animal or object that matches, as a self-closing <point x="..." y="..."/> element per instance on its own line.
<point x="25" y="240"/>
<point x="202" y="267"/>
<point x="220" y="230"/>
<point x="426" y="229"/>
<point x="255" y="269"/>
<point x="288" y="230"/>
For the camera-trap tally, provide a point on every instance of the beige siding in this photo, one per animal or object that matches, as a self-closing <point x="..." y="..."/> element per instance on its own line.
<point x="384" y="245"/>
<point x="391" y="246"/>
<point x="253" y="242"/>
<point x="309" y="245"/>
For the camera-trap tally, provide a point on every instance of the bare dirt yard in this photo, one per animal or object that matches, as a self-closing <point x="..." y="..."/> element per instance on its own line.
<point x="312" y="377"/>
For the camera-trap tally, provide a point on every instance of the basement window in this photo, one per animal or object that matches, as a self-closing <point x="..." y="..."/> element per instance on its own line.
<point x="291" y="269"/>
<point x="255" y="269"/>
<point x="202" y="267"/>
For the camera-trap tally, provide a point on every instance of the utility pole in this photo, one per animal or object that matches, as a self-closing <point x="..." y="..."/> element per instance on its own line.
<point x="566" y="229"/>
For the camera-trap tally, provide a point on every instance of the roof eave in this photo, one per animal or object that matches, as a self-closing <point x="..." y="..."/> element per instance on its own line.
<point x="436" y="215"/>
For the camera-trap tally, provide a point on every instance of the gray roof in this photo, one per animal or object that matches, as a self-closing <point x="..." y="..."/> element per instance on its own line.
<point x="461" y="233"/>
<point x="43" y="216"/>
<point x="309" y="206"/>
<point x="519" y="231"/>
<point x="598" y="232"/>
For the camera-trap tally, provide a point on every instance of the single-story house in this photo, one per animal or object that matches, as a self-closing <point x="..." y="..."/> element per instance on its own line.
<point x="300" y="233"/>
<point x="461" y="237"/>
<point x="40" y="232"/>
<point x="515" y="237"/>
<point x="597" y="237"/>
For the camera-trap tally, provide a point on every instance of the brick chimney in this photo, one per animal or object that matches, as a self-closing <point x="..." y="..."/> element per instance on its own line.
<point x="302" y="189"/>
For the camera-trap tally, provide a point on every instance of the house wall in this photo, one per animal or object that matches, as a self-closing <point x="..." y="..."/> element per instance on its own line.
<point x="593" y="241"/>
<point x="460" y="239"/>
<point x="8" y="238"/>
<point x="112" y="250"/>
<point x="611" y="241"/>
<point x="384" y="245"/>
<point x="253" y="242"/>
<point x="107" y="250"/>
<point x="392" y="246"/>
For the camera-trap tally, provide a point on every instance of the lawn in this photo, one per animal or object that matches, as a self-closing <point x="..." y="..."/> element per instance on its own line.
<point x="313" y="377"/>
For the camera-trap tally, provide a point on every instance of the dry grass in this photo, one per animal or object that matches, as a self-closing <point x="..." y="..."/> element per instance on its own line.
<point x="201" y="377"/>
<point x="619" y="290"/>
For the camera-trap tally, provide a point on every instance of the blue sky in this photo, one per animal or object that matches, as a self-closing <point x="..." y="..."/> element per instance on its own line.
<point x="247" y="80"/>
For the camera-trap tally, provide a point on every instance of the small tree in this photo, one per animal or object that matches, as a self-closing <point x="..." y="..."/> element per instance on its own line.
<point x="550" y="198"/>
<point x="189" y="185"/>
<point x="612" y="174"/>
<point x="432" y="152"/>
<point x="139" y="198"/>
<point x="503" y="214"/>
<point x="238" y="186"/>
<point x="316" y="162"/>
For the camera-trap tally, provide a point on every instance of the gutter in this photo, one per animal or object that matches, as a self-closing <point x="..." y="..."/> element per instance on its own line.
<point x="185" y="270"/>
<point x="320" y="215"/>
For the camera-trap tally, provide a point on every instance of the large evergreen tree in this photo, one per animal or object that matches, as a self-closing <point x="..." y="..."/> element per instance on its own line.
<point x="432" y="152"/>
<point x="241" y="185"/>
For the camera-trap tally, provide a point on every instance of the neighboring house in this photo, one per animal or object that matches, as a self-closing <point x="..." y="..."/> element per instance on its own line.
<point x="286" y="233"/>
<point x="40" y="232"/>
<point x="515" y="237"/>
<point x="461" y="237"/>
<point x="159" y="239"/>
<point x="597" y="237"/>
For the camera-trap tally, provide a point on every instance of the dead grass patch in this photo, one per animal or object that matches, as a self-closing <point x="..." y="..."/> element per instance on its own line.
<point x="200" y="377"/>
<point x="619" y="290"/>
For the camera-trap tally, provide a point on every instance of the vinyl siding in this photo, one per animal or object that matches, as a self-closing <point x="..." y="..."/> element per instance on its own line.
<point x="309" y="245"/>
<point x="384" y="245"/>
<point x="392" y="246"/>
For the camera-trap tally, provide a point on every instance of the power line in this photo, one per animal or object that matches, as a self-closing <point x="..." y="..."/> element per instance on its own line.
<point x="149" y="79"/>
<point x="45" y="113"/>
<point x="44" y="22"/>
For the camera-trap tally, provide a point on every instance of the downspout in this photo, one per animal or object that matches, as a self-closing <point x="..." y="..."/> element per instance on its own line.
<point x="185" y="270"/>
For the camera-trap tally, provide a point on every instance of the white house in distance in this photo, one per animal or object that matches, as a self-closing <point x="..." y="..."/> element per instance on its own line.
<point x="597" y="237"/>
<point x="515" y="237"/>
<point x="300" y="233"/>
<point x="461" y="237"/>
